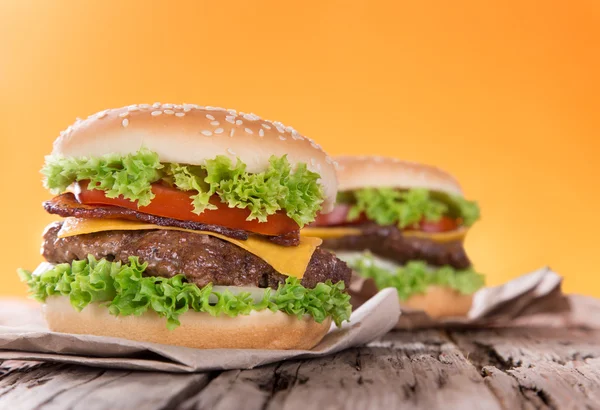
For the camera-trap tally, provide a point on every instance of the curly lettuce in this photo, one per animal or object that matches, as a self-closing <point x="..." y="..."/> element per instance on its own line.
<point x="124" y="290"/>
<point x="416" y="276"/>
<point x="388" y="206"/>
<point x="297" y="192"/>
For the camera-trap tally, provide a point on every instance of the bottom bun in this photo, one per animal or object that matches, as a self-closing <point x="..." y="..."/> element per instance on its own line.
<point x="258" y="330"/>
<point x="440" y="302"/>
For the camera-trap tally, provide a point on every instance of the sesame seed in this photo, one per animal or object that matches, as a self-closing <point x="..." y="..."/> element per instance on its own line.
<point x="268" y="127"/>
<point x="297" y="137"/>
<point x="125" y="122"/>
<point x="289" y="129"/>
<point x="219" y="131"/>
<point x="261" y="132"/>
<point x="229" y="150"/>
<point x="280" y="128"/>
<point x="312" y="162"/>
<point x="209" y="108"/>
<point x="282" y="138"/>
<point x="210" y="117"/>
<point x="315" y="145"/>
<point x="132" y="108"/>
<point x="207" y="133"/>
<point x="169" y="112"/>
<point x="187" y="109"/>
<point x="215" y="123"/>
<point x="230" y="118"/>
<point x="156" y="105"/>
<point x="179" y="114"/>
<point x="167" y="105"/>
<point x="102" y="114"/>
<point x="232" y="112"/>
<point x="248" y="130"/>
<point x="239" y="122"/>
<point x="124" y="114"/>
<point x="145" y="106"/>
<point x="232" y="132"/>
<point x="251" y="117"/>
<point x="328" y="159"/>
<point x="155" y="113"/>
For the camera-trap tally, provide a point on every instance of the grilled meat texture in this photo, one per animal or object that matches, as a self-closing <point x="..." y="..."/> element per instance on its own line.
<point x="388" y="242"/>
<point x="203" y="259"/>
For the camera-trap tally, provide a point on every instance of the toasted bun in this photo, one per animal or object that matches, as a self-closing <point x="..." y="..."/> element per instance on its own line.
<point x="258" y="330"/>
<point x="190" y="134"/>
<point x="440" y="302"/>
<point x="357" y="172"/>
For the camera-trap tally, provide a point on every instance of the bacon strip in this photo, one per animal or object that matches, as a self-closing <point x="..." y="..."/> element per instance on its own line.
<point x="66" y="205"/>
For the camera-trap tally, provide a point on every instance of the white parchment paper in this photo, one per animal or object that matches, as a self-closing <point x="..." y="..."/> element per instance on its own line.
<point x="32" y="341"/>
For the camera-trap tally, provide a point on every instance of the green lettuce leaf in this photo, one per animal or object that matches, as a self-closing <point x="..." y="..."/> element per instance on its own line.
<point x="125" y="291"/>
<point x="415" y="276"/>
<point x="264" y="193"/>
<point x="297" y="192"/>
<point x="387" y="206"/>
<point x="129" y="175"/>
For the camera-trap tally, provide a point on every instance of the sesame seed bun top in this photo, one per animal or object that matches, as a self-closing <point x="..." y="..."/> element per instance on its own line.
<point x="191" y="134"/>
<point x="356" y="172"/>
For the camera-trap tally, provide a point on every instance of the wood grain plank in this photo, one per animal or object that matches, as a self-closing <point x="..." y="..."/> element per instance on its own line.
<point x="250" y="389"/>
<point x="552" y="368"/>
<point x="405" y="369"/>
<point x="48" y="387"/>
<point x="506" y="389"/>
<point x="38" y="386"/>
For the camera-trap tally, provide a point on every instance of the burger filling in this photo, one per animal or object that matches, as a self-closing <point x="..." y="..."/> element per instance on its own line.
<point x="407" y="239"/>
<point x="414" y="277"/>
<point x="279" y="199"/>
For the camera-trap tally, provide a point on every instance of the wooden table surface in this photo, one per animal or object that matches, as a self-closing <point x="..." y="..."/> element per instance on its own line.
<point x="511" y="368"/>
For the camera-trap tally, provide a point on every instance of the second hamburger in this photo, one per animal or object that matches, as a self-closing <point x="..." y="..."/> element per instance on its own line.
<point x="403" y="224"/>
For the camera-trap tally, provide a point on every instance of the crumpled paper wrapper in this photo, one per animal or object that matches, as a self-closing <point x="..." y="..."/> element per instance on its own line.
<point x="529" y="296"/>
<point x="34" y="342"/>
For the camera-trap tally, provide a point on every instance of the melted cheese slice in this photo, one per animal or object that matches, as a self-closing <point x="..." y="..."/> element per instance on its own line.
<point x="337" y="232"/>
<point x="329" y="233"/>
<point x="287" y="260"/>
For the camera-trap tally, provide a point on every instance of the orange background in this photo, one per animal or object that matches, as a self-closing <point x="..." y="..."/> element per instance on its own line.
<point x="503" y="94"/>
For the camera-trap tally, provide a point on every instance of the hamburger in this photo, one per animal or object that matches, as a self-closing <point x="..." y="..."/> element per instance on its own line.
<point x="181" y="226"/>
<point x="402" y="224"/>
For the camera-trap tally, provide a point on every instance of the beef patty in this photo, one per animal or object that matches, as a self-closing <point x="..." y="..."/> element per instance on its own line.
<point x="202" y="259"/>
<point x="388" y="242"/>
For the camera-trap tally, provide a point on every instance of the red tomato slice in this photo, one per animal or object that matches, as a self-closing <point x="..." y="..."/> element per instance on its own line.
<point x="445" y="224"/>
<point x="173" y="203"/>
